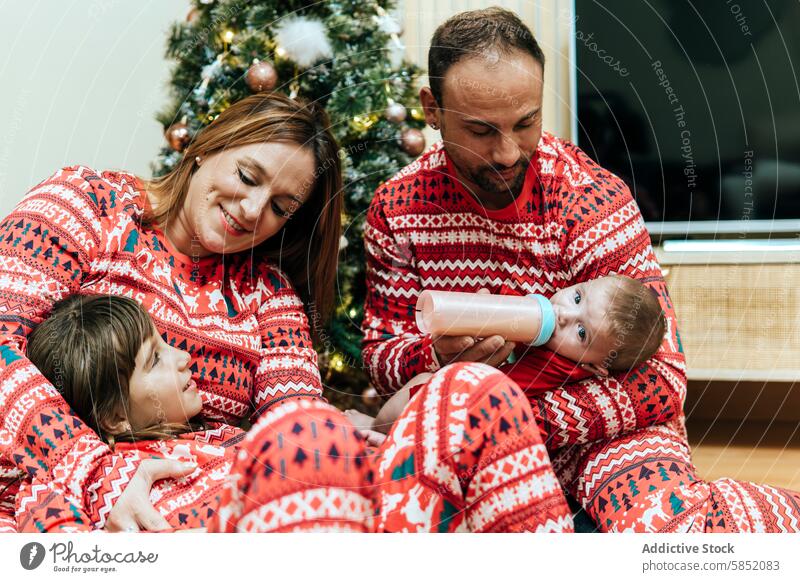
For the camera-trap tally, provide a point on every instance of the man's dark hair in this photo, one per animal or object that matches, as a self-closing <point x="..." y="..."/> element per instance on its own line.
<point x="469" y="34"/>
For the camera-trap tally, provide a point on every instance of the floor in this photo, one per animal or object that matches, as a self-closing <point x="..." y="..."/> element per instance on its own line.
<point x="760" y="451"/>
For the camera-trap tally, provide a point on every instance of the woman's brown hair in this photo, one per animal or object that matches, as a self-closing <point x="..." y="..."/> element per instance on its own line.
<point x="87" y="349"/>
<point x="307" y="247"/>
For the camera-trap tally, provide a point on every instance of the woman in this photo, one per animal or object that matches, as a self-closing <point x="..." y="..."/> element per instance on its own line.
<point x="223" y="253"/>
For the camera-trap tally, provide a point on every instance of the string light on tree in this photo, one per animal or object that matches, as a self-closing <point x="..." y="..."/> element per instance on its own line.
<point x="337" y="362"/>
<point x="227" y="38"/>
<point x="363" y="122"/>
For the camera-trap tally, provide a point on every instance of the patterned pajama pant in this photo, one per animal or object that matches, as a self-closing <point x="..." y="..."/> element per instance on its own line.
<point x="646" y="482"/>
<point x="465" y="455"/>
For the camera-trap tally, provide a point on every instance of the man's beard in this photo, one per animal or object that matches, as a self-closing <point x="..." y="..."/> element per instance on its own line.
<point x="490" y="182"/>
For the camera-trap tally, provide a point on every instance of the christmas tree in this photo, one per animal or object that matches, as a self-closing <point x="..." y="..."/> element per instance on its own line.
<point x="345" y="55"/>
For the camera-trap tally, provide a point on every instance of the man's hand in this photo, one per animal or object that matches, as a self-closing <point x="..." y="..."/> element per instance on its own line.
<point x="493" y="350"/>
<point x="133" y="510"/>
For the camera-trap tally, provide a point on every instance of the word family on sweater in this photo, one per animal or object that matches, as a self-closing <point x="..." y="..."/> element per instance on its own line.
<point x="81" y="231"/>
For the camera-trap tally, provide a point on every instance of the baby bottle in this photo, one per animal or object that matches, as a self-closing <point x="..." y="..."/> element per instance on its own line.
<point x="529" y="319"/>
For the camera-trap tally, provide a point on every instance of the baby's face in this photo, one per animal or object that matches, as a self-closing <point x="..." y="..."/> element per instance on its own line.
<point x="161" y="386"/>
<point x="581" y="332"/>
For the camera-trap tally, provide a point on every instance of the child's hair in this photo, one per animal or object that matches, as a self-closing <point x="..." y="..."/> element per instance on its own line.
<point x="87" y="349"/>
<point x="636" y="324"/>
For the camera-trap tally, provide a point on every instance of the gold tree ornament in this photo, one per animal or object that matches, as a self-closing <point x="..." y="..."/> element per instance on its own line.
<point x="261" y="76"/>
<point x="396" y="112"/>
<point x="178" y="136"/>
<point x="412" y="141"/>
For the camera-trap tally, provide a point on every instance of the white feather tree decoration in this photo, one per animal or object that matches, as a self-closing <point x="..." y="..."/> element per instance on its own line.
<point x="303" y="41"/>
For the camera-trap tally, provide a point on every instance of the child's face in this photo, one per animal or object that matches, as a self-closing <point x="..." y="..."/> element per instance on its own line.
<point x="161" y="386"/>
<point x="581" y="332"/>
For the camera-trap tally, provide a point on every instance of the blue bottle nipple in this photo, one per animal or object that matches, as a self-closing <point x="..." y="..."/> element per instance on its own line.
<point x="548" y="320"/>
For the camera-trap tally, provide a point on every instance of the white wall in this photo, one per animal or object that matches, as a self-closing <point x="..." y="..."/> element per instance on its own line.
<point x="80" y="81"/>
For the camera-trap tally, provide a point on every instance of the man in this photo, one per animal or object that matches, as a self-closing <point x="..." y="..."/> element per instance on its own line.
<point x="498" y="204"/>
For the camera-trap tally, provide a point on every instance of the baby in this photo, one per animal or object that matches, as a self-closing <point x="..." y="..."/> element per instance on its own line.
<point x="105" y="356"/>
<point x="607" y="324"/>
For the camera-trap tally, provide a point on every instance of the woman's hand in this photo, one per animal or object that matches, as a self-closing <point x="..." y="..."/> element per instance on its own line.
<point x="133" y="511"/>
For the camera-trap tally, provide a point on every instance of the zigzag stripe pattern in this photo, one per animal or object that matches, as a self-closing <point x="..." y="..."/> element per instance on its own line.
<point x="29" y="496"/>
<point x="459" y="265"/>
<point x="116" y="485"/>
<point x="567" y="418"/>
<point x="392" y="291"/>
<point x="785" y="519"/>
<point x="562" y="524"/>
<point x="522" y="287"/>
<point x="642" y="262"/>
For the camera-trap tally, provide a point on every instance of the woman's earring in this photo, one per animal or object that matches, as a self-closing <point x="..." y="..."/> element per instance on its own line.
<point x="197" y="160"/>
<point x="434" y="126"/>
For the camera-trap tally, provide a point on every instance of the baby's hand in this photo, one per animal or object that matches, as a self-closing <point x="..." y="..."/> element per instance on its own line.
<point x="373" y="437"/>
<point x="361" y="421"/>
